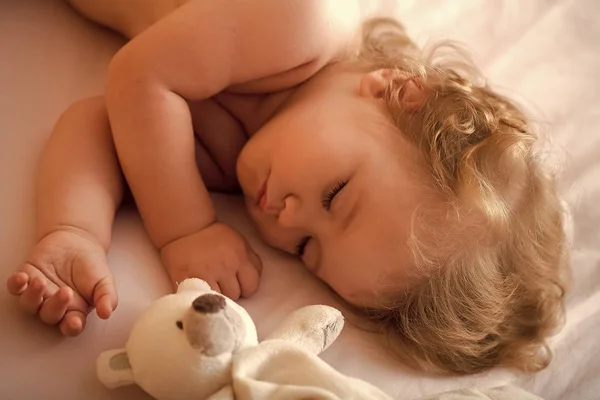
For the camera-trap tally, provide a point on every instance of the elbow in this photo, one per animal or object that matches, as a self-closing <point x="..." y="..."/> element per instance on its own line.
<point x="121" y="75"/>
<point x="130" y="79"/>
<point x="127" y="94"/>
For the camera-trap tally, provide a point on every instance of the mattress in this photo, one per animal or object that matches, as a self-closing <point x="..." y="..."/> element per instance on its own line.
<point x="544" y="53"/>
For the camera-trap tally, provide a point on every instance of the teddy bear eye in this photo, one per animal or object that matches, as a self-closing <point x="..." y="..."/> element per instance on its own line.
<point x="179" y="324"/>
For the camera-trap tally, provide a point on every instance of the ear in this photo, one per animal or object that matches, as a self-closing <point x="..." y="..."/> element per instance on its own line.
<point x="412" y="90"/>
<point x="374" y="83"/>
<point x="412" y="94"/>
<point x="113" y="369"/>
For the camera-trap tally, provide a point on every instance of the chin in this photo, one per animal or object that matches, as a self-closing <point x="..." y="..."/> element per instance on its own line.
<point x="253" y="211"/>
<point x="258" y="225"/>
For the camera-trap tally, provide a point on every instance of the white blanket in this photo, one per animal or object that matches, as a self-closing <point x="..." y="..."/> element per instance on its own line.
<point x="546" y="51"/>
<point x="277" y="370"/>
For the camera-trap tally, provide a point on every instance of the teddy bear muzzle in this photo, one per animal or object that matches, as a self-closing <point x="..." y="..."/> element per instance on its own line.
<point x="211" y="327"/>
<point x="209" y="303"/>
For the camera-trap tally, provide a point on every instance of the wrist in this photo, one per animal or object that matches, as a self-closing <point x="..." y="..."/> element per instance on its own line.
<point x="174" y="238"/>
<point x="43" y="232"/>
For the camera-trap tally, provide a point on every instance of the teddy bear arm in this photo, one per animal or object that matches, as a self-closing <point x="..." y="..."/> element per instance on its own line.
<point x="314" y="328"/>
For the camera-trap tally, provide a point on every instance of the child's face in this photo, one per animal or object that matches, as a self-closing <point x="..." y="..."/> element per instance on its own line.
<point x="338" y="190"/>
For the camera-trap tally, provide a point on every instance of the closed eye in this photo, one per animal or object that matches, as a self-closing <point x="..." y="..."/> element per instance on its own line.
<point x="326" y="202"/>
<point x="329" y="196"/>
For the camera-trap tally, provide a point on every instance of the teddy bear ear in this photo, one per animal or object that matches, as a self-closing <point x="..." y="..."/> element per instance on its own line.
<point x="194" y="284"/>
<point x="113" y="368"/>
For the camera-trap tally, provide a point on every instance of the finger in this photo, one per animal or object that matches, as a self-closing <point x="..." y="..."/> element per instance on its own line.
<point x="17" y="283"/>
<point x="105" y="297"/>
<point x="33" y="297"/>
<point x="249" y="279"/>
<point x="230" y="287"/>
<point x="54" y="308"/>
<point x="256" y="261"/>
<point x="214" y="286"/>
<point x="73" y="323"/>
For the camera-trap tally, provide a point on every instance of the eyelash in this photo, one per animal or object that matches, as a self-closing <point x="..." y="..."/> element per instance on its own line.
<point x="329" y="196"/>
<point x="326" y="202"/>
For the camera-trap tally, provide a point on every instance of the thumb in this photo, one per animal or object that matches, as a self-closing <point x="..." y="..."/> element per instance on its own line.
<point x="105" y="297"/>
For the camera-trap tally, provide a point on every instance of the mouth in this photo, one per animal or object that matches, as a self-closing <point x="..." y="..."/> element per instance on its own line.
<point x="262" y="194"/>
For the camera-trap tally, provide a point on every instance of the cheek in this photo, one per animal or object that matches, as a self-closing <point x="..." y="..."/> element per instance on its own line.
<point x="253" y="153"/>
<point x="344" y="269"/>
<point x="366" y="260"/>
<point x="347" y="281"/>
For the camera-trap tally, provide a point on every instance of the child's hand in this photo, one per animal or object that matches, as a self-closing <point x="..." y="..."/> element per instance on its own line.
<point x="217" y="254"/>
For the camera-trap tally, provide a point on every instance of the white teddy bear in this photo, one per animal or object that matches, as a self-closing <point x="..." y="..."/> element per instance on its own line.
<point x="198" y="344"/>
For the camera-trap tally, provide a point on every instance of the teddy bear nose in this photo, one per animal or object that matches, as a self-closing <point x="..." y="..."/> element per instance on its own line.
<point x="208" y="303"/>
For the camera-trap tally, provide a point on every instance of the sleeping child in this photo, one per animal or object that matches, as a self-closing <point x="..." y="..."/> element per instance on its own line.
<point x="397" y="176"/>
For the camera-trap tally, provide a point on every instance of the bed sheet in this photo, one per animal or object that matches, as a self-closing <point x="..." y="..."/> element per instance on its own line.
<point x="544" y="52"/>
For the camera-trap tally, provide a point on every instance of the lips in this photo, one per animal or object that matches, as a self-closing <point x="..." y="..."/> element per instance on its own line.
<point x="262" y="194"/>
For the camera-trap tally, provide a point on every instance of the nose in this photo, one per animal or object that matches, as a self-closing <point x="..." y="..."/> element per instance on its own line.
<point x="208" y="303"/>
<point x="208" y="327"/>
<point x="273" y="206"/>
<point x="289" y="215"/>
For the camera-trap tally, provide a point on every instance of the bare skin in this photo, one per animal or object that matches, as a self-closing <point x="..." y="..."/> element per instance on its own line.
<point x="66" y="275"/>
<point x="183" y="98"/>
<point x="67" y="272"/>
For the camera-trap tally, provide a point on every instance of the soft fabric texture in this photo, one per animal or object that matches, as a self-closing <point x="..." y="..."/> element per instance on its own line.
<point x="277" y="371"/>
<point x="171" y="360"/>
<point x="543" y="52"/>
<point x="497" y="393"/>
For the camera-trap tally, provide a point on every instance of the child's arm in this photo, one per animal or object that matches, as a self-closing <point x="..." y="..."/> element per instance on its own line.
<point x="195" y="52"/>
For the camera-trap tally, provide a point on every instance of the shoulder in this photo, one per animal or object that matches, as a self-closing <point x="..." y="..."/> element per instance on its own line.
<point x="315" y="23"/>
<point x="307" y="27"/>
<point x="233" y="42"/>
<point x="309" y="34"/>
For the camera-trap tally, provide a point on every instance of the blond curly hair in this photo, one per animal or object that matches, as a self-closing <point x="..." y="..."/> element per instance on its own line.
<point x="494" y="253"/>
